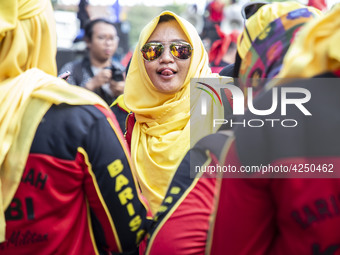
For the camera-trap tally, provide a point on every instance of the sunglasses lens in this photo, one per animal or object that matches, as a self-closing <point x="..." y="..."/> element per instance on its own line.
<point x="181" y="50"/>
<point x="152" y="51"/>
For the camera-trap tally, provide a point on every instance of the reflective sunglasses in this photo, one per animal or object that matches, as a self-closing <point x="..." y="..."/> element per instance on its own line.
<point x="153" y="50"/>
<point x="250" y="9"/>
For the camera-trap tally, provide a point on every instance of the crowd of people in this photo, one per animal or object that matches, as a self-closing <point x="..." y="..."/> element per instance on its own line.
<point x="103" y="160"/>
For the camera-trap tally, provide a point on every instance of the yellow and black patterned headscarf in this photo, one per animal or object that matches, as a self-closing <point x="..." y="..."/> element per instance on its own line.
<point x="28" y="86"/>
<point x="316" y="48"/>
<point x="264" y="16"/>
<point x="265" y="55"/>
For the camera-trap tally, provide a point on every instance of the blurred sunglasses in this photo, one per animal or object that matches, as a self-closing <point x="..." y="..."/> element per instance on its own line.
<point x="180" y="50"/>
<point x="248" y="10"/>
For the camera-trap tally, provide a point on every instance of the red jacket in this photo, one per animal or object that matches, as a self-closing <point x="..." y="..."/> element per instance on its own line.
<point x="295" y="210"/>
<point x="77" y="194"/>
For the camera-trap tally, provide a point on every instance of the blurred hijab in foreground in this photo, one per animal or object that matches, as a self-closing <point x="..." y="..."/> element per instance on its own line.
<point x="316" y="49"/>
<point x="28" y="86"/>
<point x="272" y="29"/>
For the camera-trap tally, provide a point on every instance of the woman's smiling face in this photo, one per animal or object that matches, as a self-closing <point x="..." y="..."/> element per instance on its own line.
<point x="167" y="73"/>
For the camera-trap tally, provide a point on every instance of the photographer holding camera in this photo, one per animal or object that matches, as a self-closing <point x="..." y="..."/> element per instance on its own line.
<point x="97" y="71"/>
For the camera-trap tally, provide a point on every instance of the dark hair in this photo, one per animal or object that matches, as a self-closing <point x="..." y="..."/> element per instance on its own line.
<point x="89" y="26"/>
<point x="166" y="18"/>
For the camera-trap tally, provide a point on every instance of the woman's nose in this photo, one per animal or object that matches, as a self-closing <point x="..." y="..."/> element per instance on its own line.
<point x="166" y="56"/>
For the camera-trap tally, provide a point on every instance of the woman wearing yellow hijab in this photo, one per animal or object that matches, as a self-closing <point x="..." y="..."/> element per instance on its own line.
<point x="60" y="153"/>
<point x="169" y="53"/>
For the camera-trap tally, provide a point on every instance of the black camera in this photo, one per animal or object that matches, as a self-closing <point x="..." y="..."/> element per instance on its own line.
<point x="117" y="73"/>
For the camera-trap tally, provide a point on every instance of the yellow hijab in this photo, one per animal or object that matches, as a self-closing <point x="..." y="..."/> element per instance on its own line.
<point x="315" y="49"/>
<point x="28" y="87"/>
<point x="161" y="135"/>
<point x="265" y="15"/>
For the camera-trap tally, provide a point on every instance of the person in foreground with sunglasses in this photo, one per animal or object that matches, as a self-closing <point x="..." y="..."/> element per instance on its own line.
<point x="169" y="53"/>
<point x="66" y="183"/>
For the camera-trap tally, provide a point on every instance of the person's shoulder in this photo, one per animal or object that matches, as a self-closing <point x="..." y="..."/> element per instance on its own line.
<point x="70" y="65"/>
<point x="80" y="117"/>
<point x="79" y="112"/>
<point x="75" y="62"/>
<point x="67" y="127"/>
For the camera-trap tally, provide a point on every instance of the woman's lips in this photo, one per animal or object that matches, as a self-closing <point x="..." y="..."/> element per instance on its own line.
<point x="166" y="72"/>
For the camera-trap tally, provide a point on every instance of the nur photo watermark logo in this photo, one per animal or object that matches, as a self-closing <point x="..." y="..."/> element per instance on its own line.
<point x="272" y="111"/>
<point x="264" y="131"/>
